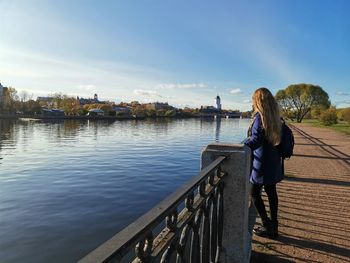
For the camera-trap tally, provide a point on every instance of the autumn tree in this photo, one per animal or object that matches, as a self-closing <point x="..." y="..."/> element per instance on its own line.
<point x="329" y="116"/>
<point x="170" y="113"/>
<point x="11" y="100"/>
<point x="151" y="113"/>
<point x="344" y="114"/>
<point x="138" y="111"/>
<point x="32" y="107"/>
<point x="298" y="99"/>
<point x="70" y="105"/>
<point x="107" y="108"/>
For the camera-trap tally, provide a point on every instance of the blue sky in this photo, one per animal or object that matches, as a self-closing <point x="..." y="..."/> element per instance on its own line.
<point x="183" y="52"/>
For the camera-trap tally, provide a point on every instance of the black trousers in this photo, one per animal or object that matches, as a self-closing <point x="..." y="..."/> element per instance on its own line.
<point x="259" y="203"/>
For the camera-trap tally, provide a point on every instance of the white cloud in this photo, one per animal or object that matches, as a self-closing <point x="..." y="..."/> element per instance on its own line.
<point x="150" y="93"/>
<point x="145" y="92"/>
<point x="181" y="86"/>
<point x="247" y="101"/>
<point x="340" y="93"/>
<point x="342" y="102"/>
<point x="236" y="91"/>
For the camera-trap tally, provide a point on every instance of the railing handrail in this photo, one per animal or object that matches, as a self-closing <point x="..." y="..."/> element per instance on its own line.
<point x="136" y="230"/>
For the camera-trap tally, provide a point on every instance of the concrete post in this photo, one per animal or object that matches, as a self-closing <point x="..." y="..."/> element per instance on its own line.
<point x="237" y="234"/>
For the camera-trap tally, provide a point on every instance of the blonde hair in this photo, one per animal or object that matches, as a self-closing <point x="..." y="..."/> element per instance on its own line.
<point x="266" y="105"/>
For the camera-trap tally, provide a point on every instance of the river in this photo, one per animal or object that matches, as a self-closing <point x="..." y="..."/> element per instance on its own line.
<point x="67" y="186"/>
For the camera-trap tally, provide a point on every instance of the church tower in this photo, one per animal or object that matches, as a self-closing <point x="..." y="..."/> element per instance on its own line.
<point x="218" y="103"/>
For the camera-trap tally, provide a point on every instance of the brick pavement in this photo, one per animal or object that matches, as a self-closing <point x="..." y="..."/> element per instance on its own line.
<point x="314" y="201"/>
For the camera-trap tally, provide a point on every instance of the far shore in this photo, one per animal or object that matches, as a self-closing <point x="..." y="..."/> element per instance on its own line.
<point x="85" y="117"/>
<point x="66" y="117"/>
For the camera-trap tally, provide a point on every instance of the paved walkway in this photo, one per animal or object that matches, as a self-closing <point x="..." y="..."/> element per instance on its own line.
<point x="314" y="202"/>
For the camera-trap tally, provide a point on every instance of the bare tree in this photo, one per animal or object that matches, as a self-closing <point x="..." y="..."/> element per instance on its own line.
<point x="23" y="96"/>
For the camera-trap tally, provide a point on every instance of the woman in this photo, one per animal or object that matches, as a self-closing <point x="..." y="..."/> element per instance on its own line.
<point x="265" y="135"/>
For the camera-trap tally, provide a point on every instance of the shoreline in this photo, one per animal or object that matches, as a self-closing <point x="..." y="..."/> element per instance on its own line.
<point x="40" y="117"/>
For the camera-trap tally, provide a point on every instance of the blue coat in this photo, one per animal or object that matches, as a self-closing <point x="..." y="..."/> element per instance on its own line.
<point x="267" y="162"/>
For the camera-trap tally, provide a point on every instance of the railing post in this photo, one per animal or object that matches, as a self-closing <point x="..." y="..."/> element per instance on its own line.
<point x="236" y="242"/>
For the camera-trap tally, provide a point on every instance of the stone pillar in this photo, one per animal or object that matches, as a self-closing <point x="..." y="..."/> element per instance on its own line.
<point x="237" y="234"/>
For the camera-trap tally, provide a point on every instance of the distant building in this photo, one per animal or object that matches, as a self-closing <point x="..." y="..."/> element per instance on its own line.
<point x="3" y="91"/>
<point x="2" y="97"/>
<point x="83" y="101"/>
<point x="158" y="106"/>
<point x="218" y="103"/>
<point x="212" y="110"/>
<point x="208" y="109"/>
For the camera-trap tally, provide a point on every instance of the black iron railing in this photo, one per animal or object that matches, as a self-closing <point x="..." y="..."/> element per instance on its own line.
<point x="185" y="227"/>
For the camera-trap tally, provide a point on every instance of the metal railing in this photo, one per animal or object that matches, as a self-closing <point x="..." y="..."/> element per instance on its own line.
<point x="187" y="226"/>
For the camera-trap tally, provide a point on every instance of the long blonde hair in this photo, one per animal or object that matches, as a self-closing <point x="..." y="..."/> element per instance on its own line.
<point x="266" y="105"/>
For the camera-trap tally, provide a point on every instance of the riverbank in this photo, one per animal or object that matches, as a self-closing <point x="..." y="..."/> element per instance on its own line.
<point x="99" y="117"/>
<point x="314" y="215"/>
<point x="66" y="117"/>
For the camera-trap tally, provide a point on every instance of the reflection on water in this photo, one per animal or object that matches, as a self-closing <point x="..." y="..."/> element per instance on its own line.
<point x="217" y="129"/>
<point x="67" y="186"/>
<point x="8" y="137"/>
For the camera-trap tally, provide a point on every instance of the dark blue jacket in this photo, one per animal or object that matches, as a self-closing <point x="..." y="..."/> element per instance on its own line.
<point x="267" y="162"/>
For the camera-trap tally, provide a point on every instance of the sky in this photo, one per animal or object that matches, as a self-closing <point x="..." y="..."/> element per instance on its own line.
<point x="184" y="52"/>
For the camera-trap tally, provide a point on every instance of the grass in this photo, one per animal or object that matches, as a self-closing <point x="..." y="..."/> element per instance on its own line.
<point x="341" y="126"/>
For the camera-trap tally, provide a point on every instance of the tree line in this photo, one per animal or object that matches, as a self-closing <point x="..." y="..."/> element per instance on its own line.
<point x="297" y="101"/>
<point x="23" y="103"/>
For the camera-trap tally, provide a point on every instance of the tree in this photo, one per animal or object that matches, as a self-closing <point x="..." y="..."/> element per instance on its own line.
<point x="151" y="113"/>
<point x="138" y="111"/>
<point x="315" y="112"/>
<point x="81" y="112"/>
<point x="11" y="100"/>
<point x="160" y="112"/>
<point x="329" y="117"/>
<point x="32" y="107"/>
<point x="57" y="99"/>
<point x="298" y="99"/>
<point x="170" y="113"/>
<point x="25" y="96"/>
<point x="344" y="114"/>
<point x="106" y="108"/>
<point x="68" y="104"/>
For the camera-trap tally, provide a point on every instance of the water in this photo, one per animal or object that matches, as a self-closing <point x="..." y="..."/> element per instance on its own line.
<point x="66" y="187"/>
